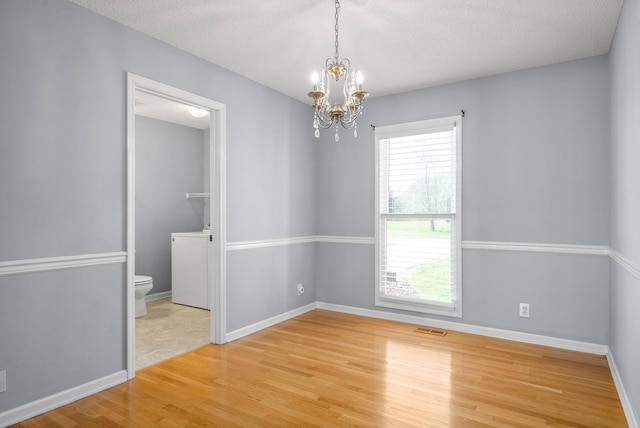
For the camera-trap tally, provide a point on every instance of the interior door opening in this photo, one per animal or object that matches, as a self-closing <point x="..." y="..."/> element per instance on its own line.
<point x="152" y="105"/>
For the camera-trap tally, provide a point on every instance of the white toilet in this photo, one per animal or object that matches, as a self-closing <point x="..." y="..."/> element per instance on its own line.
<point x="143" y="285"/>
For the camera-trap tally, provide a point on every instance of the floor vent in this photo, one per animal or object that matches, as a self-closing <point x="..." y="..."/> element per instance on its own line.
<point x="434" y="331"/>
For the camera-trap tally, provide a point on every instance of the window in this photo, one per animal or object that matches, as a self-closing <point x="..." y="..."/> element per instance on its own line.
<point x="418" y="248"/>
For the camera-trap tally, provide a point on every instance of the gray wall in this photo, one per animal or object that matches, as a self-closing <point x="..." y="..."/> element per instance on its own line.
<point x="270" y="195"/>
<point x="63" y="181"/>
<point x="535" y="169"/>
<point x="624" y="339"/>
<point x="258" y="270"/>
<point x="168" y="165"/>
<point x="60" y="330"/>
<point x="62" y="164"/>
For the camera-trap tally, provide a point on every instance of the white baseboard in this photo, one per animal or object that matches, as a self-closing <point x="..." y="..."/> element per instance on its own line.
<point x="51" y="402"/>
<point x="157" y="296"/>
<point x="572" y="345"/>
<point x="624" y="399"/>
<point x="245" y="331"/>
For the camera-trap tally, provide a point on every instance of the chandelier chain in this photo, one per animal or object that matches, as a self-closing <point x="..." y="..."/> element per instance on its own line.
<point x="336" y="55"/>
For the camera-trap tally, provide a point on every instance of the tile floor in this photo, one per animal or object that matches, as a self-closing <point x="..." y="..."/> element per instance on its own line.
<point x="169" y="330"/>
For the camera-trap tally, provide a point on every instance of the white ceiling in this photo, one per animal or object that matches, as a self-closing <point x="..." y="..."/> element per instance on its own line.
<point x="161" y="108"/>
<point x="398" y="45"/>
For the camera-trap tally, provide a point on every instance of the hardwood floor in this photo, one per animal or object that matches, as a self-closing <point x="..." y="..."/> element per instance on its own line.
<point x="331" y="369"/>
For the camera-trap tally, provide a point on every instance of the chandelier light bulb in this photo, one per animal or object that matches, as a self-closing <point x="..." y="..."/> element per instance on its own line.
<point x="359" y="80"/>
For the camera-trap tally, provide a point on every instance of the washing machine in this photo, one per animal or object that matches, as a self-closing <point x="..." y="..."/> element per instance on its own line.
<point x="189" y="268"/>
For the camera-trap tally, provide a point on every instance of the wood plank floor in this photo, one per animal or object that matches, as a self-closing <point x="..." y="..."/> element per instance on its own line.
<point x="331" y="369"/>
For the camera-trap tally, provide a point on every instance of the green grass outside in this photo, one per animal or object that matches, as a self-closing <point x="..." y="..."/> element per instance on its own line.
<point x="432" y="280"/>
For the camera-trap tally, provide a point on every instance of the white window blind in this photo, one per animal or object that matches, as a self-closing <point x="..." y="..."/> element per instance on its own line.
<point x="418" y="253"/>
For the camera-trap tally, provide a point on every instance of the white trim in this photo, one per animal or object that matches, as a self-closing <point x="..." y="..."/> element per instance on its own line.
<point x="265" y="243"/>
<point x="15" y="267"/>
<point x="624" y="399"/>
<point x="452" y="310"/>
<point x="381" y="212"/>
<point x="310" y="239"/>
<point x="217" y="184"/>
<point x="157" y="296"/>
<point x="625" y="262"/>
<point x="364" y="240"/>
<point x="217" y="282"/>
<point x="572" y="345"/>
<point x="599" y="250"/>
<point x="35" y="408"/>
<point x="261" y="325"/>
<point x="132" y="81"/>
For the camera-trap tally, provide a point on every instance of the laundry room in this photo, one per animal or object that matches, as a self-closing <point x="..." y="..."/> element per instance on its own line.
<point x="172" y="232"/>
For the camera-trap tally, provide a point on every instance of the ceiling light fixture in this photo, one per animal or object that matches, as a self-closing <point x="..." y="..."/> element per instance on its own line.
<point x="197" y="112"/>
<point x="346" y="114"/>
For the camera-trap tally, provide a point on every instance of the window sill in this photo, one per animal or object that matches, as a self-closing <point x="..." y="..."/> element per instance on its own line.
<point x="418" y="307"/>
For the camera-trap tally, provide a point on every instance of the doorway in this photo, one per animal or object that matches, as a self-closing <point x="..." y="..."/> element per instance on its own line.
<point x="216" y="218"/>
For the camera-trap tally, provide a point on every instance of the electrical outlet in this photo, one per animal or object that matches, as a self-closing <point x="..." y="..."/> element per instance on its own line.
<point x="524" y="310"/>
<point x="3" y="380"/>
<point x="300" y="289"/>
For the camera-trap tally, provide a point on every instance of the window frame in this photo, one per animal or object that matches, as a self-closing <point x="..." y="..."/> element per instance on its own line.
<point x="453" y="309"/>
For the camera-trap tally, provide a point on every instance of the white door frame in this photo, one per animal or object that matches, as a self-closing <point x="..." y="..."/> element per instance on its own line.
<point x="217" y="163"/>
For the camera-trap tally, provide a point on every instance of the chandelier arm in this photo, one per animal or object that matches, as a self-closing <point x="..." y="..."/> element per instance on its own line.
<point x="324" y="120"/>
<point x="348" y="122"/>
<point x="325" y="126"/>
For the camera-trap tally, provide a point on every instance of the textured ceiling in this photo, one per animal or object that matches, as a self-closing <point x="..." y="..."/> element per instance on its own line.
<point x="399" y="45"/>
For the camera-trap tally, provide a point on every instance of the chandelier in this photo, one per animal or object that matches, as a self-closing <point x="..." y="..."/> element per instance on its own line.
<point x="346" y="113"/>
